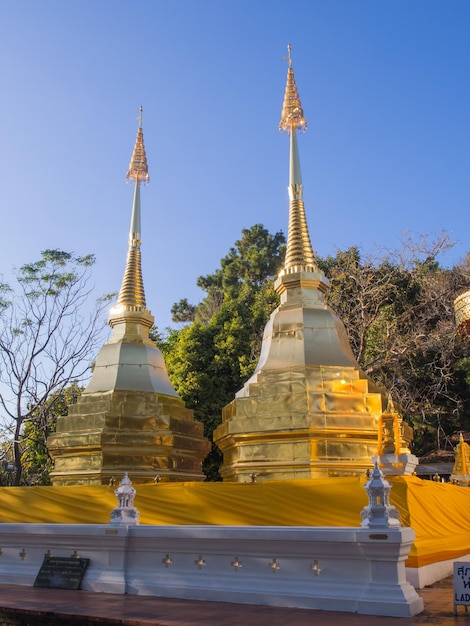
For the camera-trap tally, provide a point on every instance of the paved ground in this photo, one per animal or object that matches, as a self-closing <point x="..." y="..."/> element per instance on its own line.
<point x="146" y="610"/>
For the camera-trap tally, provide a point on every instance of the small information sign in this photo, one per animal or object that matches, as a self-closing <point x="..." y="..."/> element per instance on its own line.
<point x="61" y="572"/>
<point x="461" y="584"/>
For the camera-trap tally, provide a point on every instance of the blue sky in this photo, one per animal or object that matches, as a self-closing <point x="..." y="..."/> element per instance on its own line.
<point x="384" y="86"/>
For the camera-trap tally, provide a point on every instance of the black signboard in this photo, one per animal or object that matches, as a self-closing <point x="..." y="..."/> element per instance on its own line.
<point x="61" y="572"/>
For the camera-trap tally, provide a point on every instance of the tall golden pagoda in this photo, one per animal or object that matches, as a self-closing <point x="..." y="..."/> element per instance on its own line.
<point x="129" y="418"/>
<point x="308" y="410"/>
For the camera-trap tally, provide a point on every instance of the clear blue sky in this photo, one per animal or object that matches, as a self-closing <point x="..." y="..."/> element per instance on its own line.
<point x="384" y="86"/>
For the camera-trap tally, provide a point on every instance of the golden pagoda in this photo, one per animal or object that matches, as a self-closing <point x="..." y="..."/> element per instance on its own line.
<point x="394" y="439"/>
<point x="129" y="418"/>
<point x="461" y="470"/>
<point x="308" y="410"/>
<point x="394" y="434"/>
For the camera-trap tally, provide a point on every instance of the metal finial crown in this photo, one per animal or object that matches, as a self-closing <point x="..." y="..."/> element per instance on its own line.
<point x="292" y="116"/>
<point x="138" y="168"/>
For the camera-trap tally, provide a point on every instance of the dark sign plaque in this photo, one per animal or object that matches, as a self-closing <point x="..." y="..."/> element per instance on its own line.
<point x="61" y="572"/>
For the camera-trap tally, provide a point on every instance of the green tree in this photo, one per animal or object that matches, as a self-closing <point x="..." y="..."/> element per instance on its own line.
<point x="47" y="338"/>
<point x="210" y="359"/>
<point x="398" y="311"/>
<point x="246" y="270"/>
<point x="35" y="457"/>
<point x="182" y="311"/>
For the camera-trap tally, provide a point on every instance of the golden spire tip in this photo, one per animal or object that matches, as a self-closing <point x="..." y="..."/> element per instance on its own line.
<point x="138" y="169"/>
<point x="292" y="116"/>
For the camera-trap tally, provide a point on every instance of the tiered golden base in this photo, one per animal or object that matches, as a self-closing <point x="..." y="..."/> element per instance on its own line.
<point x="144" y="433"/>
<point x="305" y="422"/>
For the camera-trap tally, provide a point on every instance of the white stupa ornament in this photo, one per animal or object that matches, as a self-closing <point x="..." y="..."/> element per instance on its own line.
<point x="379" y="513"/>
<point x="125" y="514"/>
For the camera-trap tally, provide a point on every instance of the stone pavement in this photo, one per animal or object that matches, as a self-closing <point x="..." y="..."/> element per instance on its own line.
<point x="61" y="607"/>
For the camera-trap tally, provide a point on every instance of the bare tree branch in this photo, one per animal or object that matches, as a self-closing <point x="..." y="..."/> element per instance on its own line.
<point x="48" y="338"/>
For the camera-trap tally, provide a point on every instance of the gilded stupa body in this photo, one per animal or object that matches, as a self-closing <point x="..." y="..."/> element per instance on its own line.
<point x="129" y="418"/>
<point x="308" y="410"/>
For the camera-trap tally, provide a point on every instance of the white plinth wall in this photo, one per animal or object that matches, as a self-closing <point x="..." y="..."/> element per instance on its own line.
<point x="343" y="569"/>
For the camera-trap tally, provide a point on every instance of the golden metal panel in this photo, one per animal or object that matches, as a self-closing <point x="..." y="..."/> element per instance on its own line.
<point x="316" y="403"/>
<point x="344" y="403"/>
<point x="332" y="433"/>
<point x="138" y="433"/>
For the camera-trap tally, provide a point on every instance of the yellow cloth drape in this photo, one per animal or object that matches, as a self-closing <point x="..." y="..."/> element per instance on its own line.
<point x="438" y="513"/>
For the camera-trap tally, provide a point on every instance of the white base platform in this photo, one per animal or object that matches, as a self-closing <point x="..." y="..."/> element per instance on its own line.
<point x="397" y="464"/>
<point x="346" y="569"/>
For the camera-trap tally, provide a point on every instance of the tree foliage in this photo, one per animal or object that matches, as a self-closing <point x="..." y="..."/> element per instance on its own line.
<point x="397" y="306"/>
<point x="47" y="340"/>
<point x="244" y="271"/>
<point x="210" y="359"/>
<point x="398" y="311"/>
<point x="35" y="458"/>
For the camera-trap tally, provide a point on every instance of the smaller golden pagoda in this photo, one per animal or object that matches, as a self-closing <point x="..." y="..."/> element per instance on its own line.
<point x="129" y="418"/>
<point x="395" y="435"/>
<point x="394" y="440"/>
<point x="308" y="411"/>
<point x="461" y="470"/>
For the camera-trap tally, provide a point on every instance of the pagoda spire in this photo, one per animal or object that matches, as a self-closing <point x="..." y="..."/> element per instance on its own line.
<point x="132" y="295"/>
<point x="299" y="253"/>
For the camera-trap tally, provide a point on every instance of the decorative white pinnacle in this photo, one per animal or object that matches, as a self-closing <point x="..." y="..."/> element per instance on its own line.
<point x="125" y="514"/>
<point x="379" y="513"/>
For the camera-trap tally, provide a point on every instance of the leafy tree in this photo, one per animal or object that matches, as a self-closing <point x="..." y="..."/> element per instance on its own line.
<point x="47" y="339"/>
<point x="182" y="311"/>
<point x="244" y="271"/>
<point x="398" y="311"/>
<point x="35" y="457"/>
<point x="210" y="359"/>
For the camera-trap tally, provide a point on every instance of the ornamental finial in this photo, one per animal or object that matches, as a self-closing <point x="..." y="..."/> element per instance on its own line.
<point x="288" y="57"/>
<point x="390" y="405"/>
<point x="138" y="168"/>
<point x="292" y="116"/>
